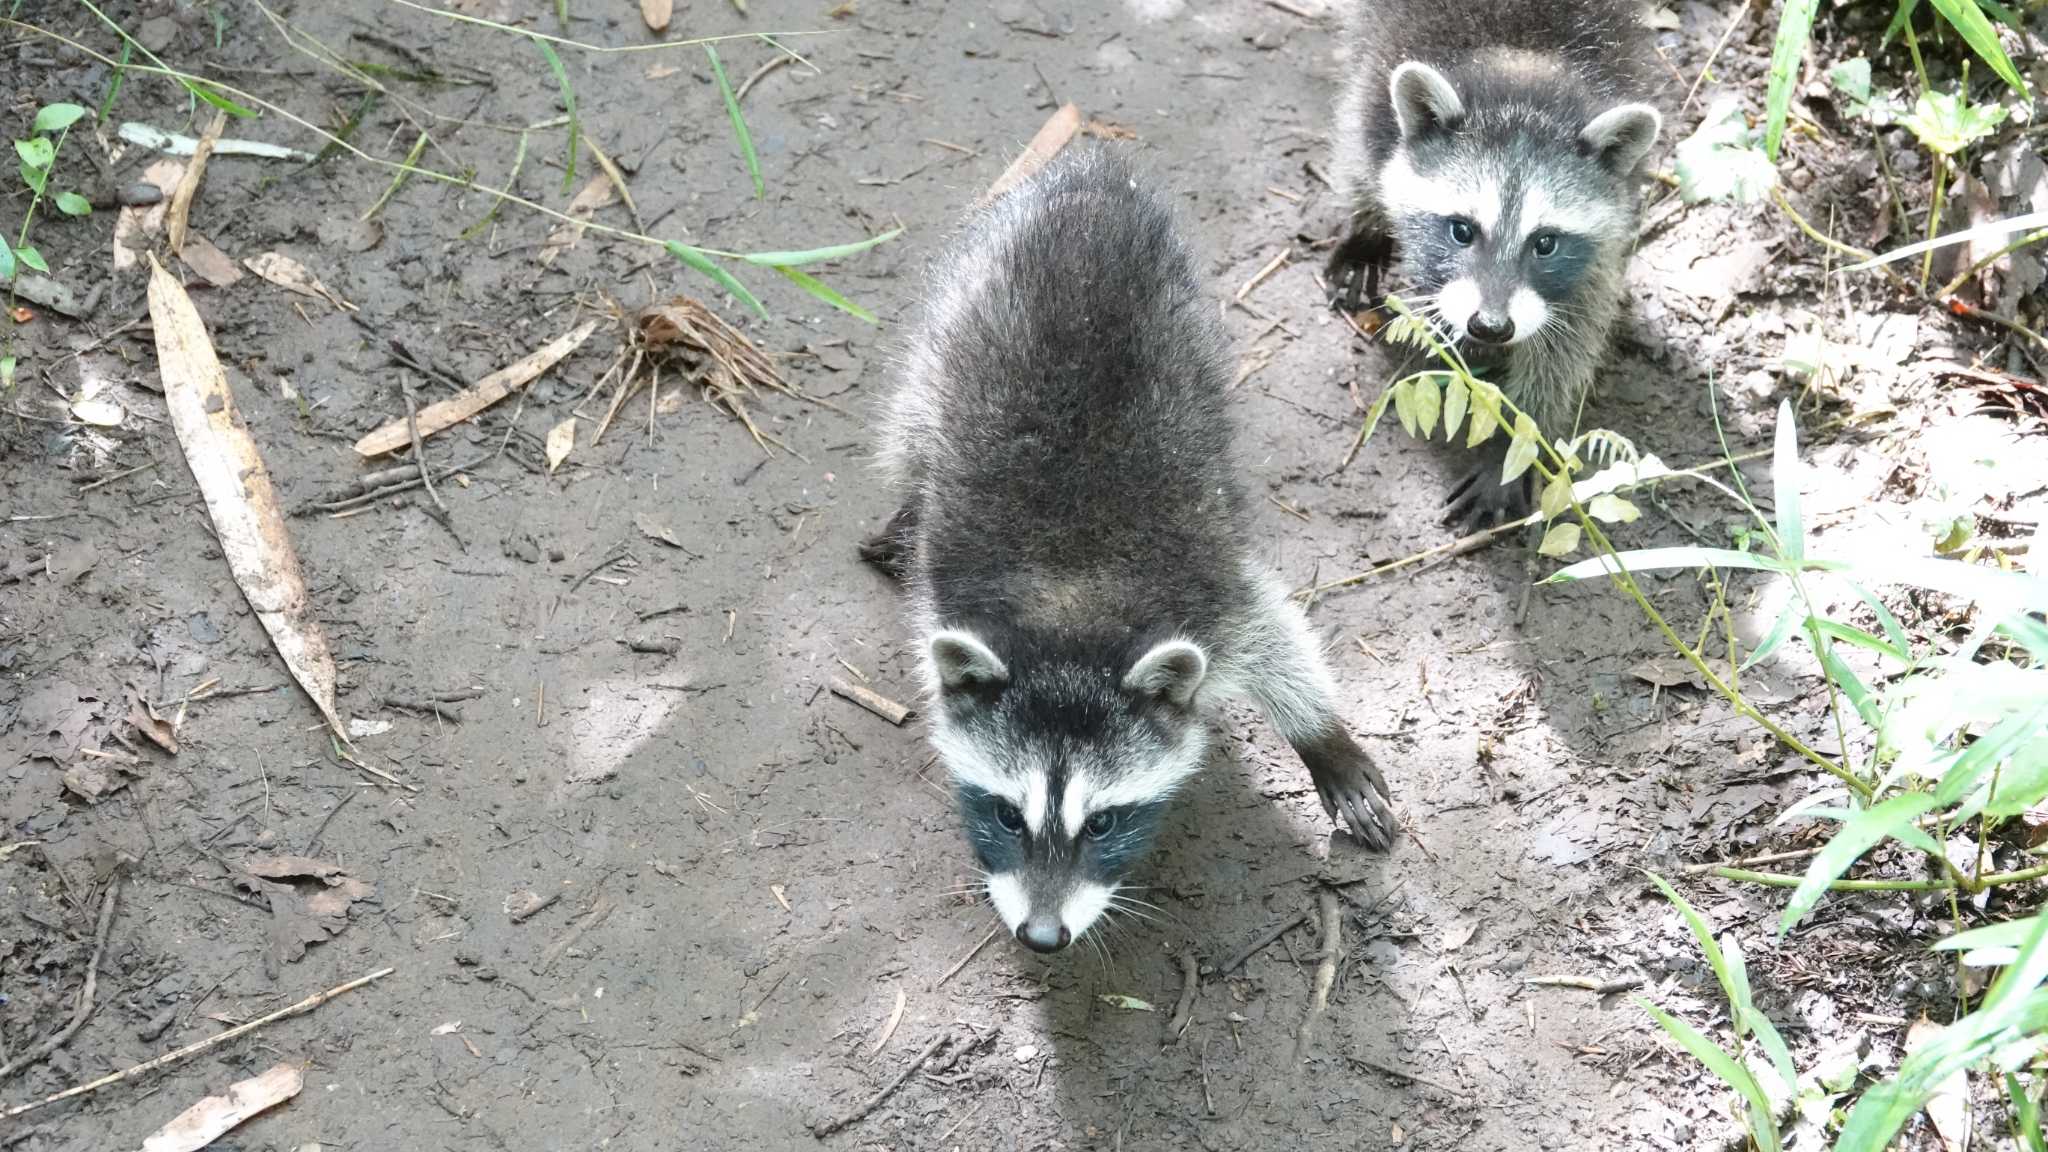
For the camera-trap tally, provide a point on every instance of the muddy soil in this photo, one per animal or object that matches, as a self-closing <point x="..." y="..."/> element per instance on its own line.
<point x="746" y="874"/>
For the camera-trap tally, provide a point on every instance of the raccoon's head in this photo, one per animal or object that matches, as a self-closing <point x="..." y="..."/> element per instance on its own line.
<point x="1062" y="768"/>
<point x="1513" y="198"/>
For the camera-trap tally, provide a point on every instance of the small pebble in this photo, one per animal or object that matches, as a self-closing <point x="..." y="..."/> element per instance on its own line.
<point x="139" y="193"/>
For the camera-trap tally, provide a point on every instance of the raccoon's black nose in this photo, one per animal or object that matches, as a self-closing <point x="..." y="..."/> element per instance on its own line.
<point x="1044" y="934"/>
<point x="1491" y="329"/>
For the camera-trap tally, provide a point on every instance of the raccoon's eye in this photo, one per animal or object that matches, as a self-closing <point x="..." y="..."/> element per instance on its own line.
<point x="1099" y="825"/>
<point x="1009" y="817"/>
<point x="1545" y="244"/>
<point x="1463" y="232"/>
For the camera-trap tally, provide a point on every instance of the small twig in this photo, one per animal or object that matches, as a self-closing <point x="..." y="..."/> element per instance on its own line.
<point x="889" y="1029"/>
<point x="106" y="480"/>
<point x="1585" y="983"/>
<point x="1331" y="927"/>
<point x="826" y="1128"/>
<point x="193" y="1049"/>
<point x="597" y="913"/>
<point x="1733" y="22"/>
<point x="1404" y="1074"/>
<point x="325" y="821"/>
<point x="740" y="93"/>
<point x="1264" y="941"/>
<point x="534" y="909"/>
<point x="419" y="453"/>
<point x="871" y="700"/>
<point x="85" y="994"/>
<point x="963" y="961"/>
<point x="1766" y="858"/>
<point x="1184" y="1012"/>
<point x="1259" y="277"/>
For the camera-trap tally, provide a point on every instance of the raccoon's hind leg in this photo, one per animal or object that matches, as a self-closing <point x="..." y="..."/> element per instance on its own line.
<point x="1364" y="253"/>
<point x="889" y="549"/>
<point x="1281" y="666"/>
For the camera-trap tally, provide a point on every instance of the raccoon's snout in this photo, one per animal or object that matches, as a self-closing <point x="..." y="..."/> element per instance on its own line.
<point x="1491" y="327"/>
<point x="1043" y="933"/>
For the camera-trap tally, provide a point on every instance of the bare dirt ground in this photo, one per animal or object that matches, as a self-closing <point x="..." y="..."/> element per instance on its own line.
<point x="745" y="870"/>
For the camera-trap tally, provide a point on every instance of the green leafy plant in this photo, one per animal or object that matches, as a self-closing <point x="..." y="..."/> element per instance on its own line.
<point x="1957" y="732"/>
<point x="37" y="157"/>
<point x="1722" y="159"/>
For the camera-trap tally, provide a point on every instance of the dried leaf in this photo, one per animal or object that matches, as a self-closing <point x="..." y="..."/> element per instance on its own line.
<point x="298" y="920"/>
<point x="135" y="224"/>
<point x="295" y="868"/>
<point x="448" y="1029"/>
<point x="246" y="518"/>
<point x="98" y="413"/>
<point x="1611" y="509"/>
<point x="216" y="1116"/>
<point x="93" y="780"/>
<point x="144" y="721"/>
<point x="210" y="263"/>
<point x="561" y="438"/>
<point x="1128" y="1003"/>
<point x="477" y="397"/>
<point x="598" y="193"/>
<point x="656" y="13"/>
<point x="292" y="276"/>
<point x="656" y="531"/>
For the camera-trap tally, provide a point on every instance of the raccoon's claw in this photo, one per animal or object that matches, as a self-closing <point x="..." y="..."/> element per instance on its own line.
<point x="1350" y="786"/>
<point x="889" y="549"/>
<point x="1478" y="500"/>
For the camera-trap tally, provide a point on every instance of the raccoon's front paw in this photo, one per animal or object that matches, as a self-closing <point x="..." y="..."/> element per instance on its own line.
<point x="1479" y="500"/>
<point x="1353" y="271"/>
<point x="1351" y="785"/>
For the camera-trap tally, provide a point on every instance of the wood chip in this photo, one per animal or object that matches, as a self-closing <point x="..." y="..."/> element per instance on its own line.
<point x="889" y="1028"/>
<point x="292" y="276"/>
<point x="1051" y="137"/>
<point x="216" y="1116"/>
<point x="871" y="700"/>
<point x="177" y="223"/>
<point x="247" y="521"/>
<point x="657" y="13"/>
<point x="440" y="416"/>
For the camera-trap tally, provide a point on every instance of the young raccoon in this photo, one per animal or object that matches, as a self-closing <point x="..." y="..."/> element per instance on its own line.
<point x="1496" y="146"/>
<point x="1075" y="544"/>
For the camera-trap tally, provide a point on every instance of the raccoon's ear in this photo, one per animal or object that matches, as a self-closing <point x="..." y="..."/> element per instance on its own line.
<point x="963" y="661"/>
<point x="1424" y="101"/>
<point x="1172" y="671"/>
<point x="1622" y="135"/>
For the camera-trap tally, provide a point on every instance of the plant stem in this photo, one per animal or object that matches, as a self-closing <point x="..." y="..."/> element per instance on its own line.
<point x="1827" y="241"/>
<point x="1934" y="215"/>
<point x="1780" y="880"/>
<point x="1950" y="288"/>
<point x="1913" y="47"/>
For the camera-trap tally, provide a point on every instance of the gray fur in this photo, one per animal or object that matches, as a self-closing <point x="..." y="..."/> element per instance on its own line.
<point x="1557" y="96"/>
<point x="1063" y="448"/>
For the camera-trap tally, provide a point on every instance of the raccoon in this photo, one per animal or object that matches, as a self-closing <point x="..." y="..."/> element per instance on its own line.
<point x="1074" y="540"/>
<point x="1495" y="147"/>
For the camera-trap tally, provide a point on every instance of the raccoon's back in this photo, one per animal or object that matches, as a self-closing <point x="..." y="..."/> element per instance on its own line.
<point x="1063" y="423"/>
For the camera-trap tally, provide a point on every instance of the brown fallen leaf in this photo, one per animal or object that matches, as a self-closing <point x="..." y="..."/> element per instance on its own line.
<point x="654" y="530"/>
<point x="243" y="506"/>
<point x="177" y="222"/>
<point x="94" y="780"/>
<point x="295" y="868"/>
<point x="136" y="224"/>
<point x="216" y="1116"/>
<point x="1052" y="136"/>
<point x="657" y="13"/>
<point x="488" y="391"/>
<point x="300" y="917"/>
<point x="561" y="439"/>
<point x="210" y="263"/>
<point x="594" y="195"/>
<point x="292" y="276"/>
<point x="145" y="721"/>
<point x="1668" y="672"/>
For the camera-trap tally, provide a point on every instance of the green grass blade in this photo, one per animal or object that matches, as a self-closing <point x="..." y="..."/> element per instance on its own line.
<point x="1900" y="15"/>
<point x="1969" y="22"/>
<point x="6" y="260"/>
<point x="547" y="51"/>
<point x="1762" y="1126"/>
<point x="1785" y="483"/>
<point x="702" y="263"/>
<point x="1774" y="1047"/>
<point x="1783" y="628"/>
<point x="491" y="213"/>
<point x="739" y="122"/>
<point x="1883" y="1110"/>
<point x="823" y="291"/>
<point x="2010" y="934"/>
<point x="1856" y="837"/>
<point x="2026" y="1115"/>
<point x="114" y="85"/>
<point x="1856" y="636"/>
<point x="1885" y="620"/>
<point x="1849" y="684"/>
<point x="1794" y="26"/>
<point x="1736" y="990"/>
<point x="1654" y="559"/>
<point x="1987" y="751"/>
<point x="818" y="255"/>
<point x="207" y="94"/>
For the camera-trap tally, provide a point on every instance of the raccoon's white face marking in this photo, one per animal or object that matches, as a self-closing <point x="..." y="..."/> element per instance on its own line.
<point x="1148" y="783"/>
<point x="1074" y="805"/>
<point x="1081" y="909"/>
<point x="1529" y="313"/>
<point x="968" y="766"/>
<point x="1035" y="801"/>
<point x="1457" y="302"/>
<point x="1006" y="892"/>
